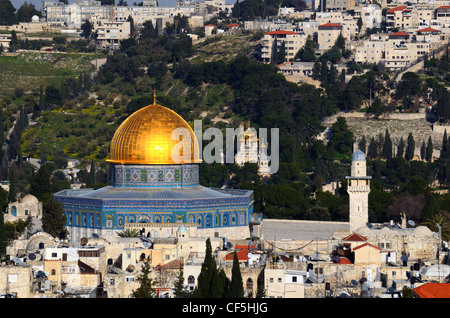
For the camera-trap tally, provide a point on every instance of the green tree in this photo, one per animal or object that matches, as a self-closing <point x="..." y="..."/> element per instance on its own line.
<point x="26" y="12"/>
<point x="444" y="148"/>
<point x="129" y="233"/>
<point x="236" y="284"/>
<point x="423" y="150"/>
<point x="87" y="28"/>
<point x="401" y="148"/>
<point x="180" y="291"/>
<point x="6" y="12"/>
<point x="275" y="57"/>
<point x="146" y="288"/>
<point x="54" y="219"/>
<point x="387" y="147"/>
<point x="440" y="218"/>
<point x="2" y="236"/>
<point x="40" y="185"/>
<point x="359" y="23"/>
<point x="307" y="52"/>
<point x="207" y="282"/>
<point x="429" y="150"/>
<point x="12" y="184"/>
<point x="282" y="53"/>
<point x="410" y="147"/>
<point x="260" y="289"/>
<point x="341" y="137"/>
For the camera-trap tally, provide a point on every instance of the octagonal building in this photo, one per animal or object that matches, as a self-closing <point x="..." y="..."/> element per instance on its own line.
<point x="154" y="186"/>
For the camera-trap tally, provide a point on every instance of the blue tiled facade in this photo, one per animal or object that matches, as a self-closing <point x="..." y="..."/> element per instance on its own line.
<point x="155" y="194"/>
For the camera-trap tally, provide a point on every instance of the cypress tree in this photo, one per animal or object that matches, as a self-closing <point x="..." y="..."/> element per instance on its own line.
<point x="236" y="284"/>
<point x="401" y="148"/>
<point x="387" y="146"/>
<point x="2" y="236"/>
<point x="275" y="52"/>
<point x="429" y="150"/>
<point x="362" y="144"/>
<point x="180" y="291"/>
<point x="372" y="152"/>
<point x="91" y="177"/>
<point x="260" y="290"/>
<point x="410" y="147"/>
<point x="206" y="279"/>
<point x="41" y="99"/>
<point x="444" y="147"/>
<point x="423" y="150"/>
<point x="146" y="289"/>
<point x="282" y="54"/>
<point x="12" y="184"/>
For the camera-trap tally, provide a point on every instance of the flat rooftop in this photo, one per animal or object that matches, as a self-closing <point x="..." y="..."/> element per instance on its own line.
<point x="274" y="229"/>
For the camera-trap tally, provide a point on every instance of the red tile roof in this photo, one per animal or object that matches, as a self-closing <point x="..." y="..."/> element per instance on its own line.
<point x="428" y="30"/>
<point x="366" y="244"/>
<point x="280" y="32"/>
<point x="355" y="237"/>
<point x="233" y="25"/>
<point x="242" y="256"/>
<point x="400" y="8"/>
<point x="175" y="264"/>
<point x="433" y="290"/>
<point x="400" y="33"/>
<point x="443" y="7"/>
<point x="330" y="25"/>
<point x="344" y="260"/>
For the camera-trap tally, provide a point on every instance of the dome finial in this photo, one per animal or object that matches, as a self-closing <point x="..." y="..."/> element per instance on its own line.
<point x="154" y="97"/>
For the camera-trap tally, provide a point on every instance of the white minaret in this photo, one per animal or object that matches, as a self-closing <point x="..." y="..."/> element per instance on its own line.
<point x="358" y="189"/>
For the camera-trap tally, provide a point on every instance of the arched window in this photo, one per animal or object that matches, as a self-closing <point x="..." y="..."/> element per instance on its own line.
<point x="191" y="279"/>
<point x="13" y="210"/>
<point x="249" y="286"/>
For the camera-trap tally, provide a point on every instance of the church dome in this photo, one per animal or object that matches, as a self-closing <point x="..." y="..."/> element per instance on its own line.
<point x="145" y="137"/>
<point x="358" y="155"/>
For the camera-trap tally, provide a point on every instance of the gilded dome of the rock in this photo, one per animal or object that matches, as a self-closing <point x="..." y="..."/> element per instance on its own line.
<point x="145" y="137"/>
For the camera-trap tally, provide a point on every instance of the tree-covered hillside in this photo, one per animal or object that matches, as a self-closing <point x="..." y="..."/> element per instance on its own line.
<point x="78" y="118"/>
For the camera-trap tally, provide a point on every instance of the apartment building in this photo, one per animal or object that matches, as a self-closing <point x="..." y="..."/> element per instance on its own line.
<point x="73" y="15"/>
<point x="371" y="16"/>
<point x="327" y="34"/>
<point x="293" y="41"/>
<point x="110" y="34"/>
<point x="408" y="17"/>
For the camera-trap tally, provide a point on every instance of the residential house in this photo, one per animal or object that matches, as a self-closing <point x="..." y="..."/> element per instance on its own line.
<point x="293" y="42"/>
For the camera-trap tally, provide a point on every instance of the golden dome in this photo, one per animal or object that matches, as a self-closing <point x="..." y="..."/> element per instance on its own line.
<point x="145" y="137"/>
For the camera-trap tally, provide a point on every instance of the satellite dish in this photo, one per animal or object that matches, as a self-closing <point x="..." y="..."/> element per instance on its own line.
<point x="369" y="225"/>
<point x="32" y="256"/>
<point x="84" y="241"/>
<point x="130" y="268"/>
<point x="411" y="223"/>
<point x="249" y="255"/>
<point x="354" y="282"/>
<point x="95" y="235"/>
